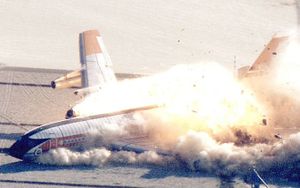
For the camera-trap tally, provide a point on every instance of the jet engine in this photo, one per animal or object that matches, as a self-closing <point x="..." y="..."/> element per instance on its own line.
<point x="69" y="80"/>
<point x="71" y="114"/>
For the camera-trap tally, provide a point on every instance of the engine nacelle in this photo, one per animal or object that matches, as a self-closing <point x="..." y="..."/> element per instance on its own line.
<point x="69" y="80"/>
<point x="71" y="114"/>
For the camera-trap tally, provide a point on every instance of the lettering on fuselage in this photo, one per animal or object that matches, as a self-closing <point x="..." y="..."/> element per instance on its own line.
<point x="67" y="142"/>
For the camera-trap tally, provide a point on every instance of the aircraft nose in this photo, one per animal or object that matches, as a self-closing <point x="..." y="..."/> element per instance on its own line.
<point x="17" y="150"/>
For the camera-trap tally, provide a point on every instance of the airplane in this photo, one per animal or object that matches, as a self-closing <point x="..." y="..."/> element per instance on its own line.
<point x="96" y="71"/>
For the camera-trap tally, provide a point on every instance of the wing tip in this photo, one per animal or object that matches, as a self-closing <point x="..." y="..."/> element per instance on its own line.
<point x="285" y="34"/>
<point x="91" y="32"/>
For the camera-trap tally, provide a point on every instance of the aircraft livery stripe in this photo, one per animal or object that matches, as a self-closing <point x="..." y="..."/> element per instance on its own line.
<point x="80" y="119"/>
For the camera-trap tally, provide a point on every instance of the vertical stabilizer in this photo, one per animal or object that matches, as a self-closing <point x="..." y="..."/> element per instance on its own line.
<point x="95" y="61"/>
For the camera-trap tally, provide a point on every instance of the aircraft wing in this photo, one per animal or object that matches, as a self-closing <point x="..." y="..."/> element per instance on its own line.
<point x="267" y="58"/>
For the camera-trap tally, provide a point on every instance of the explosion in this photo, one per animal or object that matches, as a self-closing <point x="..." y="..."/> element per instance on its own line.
<point x="206" y="95"/>
<point x="206" y="117"/>
<point x="288" y="68"/>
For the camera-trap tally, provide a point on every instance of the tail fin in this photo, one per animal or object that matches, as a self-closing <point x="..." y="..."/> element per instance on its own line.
<point x="266" y="59"/>
<point x="95" y="61"/>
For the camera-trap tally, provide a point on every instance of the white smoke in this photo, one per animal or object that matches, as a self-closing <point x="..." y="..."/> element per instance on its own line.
<point x="100" y="156"/>
<point x="210" y="122"/>
<point x="203" y="153"/>
<point x="62" y="156"/>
